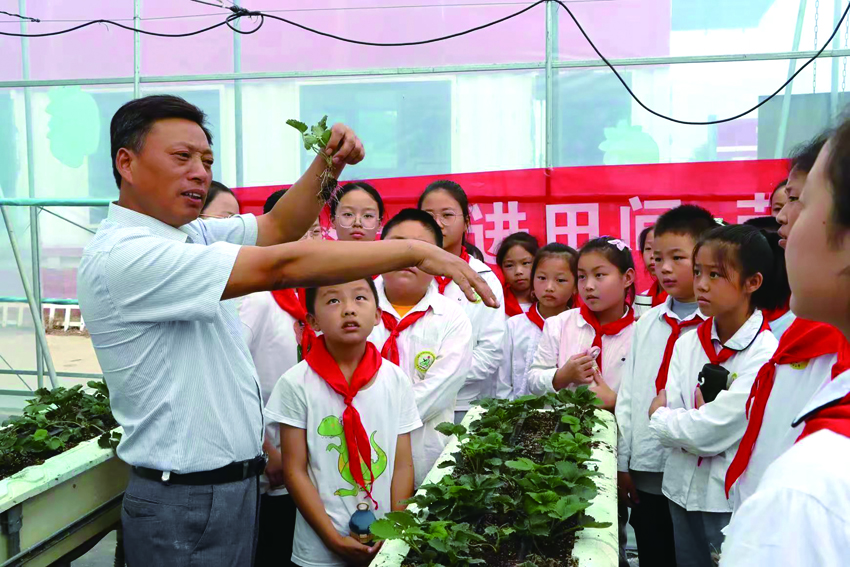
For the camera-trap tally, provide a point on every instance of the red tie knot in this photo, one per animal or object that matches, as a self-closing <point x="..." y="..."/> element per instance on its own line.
<point x="348" y="399"/>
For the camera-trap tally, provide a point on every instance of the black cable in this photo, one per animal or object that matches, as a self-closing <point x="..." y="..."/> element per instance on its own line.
<point x="239" y="12"/>
<point x="27" y="18"/>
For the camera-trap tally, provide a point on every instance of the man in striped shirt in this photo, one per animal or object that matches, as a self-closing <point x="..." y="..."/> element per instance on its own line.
<point x="152" y="284"/>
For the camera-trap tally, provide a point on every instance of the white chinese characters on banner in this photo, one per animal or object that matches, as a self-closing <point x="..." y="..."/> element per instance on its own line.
<point x="650" y="211"/>
<point x="496" y="226"/>
<point x="572" y="220"/>
<point x="759" y="204"/>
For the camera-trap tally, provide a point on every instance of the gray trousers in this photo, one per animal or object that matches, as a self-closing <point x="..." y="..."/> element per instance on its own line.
<point x="171" y="524"/>
<point x="697" y="535"/>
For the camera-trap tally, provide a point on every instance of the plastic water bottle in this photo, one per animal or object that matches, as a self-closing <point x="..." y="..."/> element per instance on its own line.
<point x="360" y="522"/>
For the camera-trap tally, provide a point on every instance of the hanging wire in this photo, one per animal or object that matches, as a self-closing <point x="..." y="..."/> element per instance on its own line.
<point x="239" y="12"/>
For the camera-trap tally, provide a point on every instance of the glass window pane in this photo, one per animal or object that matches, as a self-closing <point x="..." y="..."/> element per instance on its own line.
<point x="613" y="129"/>
<point x="96" y="51"/>
<point x="281" y="46"/>
<point x="10" y="47"/>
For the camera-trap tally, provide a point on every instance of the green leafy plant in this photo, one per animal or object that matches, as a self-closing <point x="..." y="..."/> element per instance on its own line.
<point x="53" y="421"/>
<point x="315" y="139"/>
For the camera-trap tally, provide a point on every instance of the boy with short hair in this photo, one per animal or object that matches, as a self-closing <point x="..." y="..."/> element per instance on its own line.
<point x="343" y="404"/>
<point x="640" y="457"/>
<point x="427" y="335"/>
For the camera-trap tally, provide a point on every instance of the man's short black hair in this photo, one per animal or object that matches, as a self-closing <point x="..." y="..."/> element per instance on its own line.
<point x="272" y="200"/>
<point x="415" y="215"/>
<point x="769" y="224"/>
<point x="691" y="220"/>
<point x="311" y="292"/>
<point x="135" y="119"/>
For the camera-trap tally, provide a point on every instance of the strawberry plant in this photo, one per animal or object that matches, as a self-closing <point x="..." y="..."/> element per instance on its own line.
<point x="54" y="421"/>
<point x="315" y="139"/>
<point x="518" y="491"/>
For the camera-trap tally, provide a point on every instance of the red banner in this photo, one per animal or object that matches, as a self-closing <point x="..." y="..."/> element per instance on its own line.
<point x="574" y="204"/>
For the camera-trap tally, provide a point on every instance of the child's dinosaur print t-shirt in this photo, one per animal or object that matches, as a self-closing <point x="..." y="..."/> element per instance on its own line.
<point x="387" y="409"/>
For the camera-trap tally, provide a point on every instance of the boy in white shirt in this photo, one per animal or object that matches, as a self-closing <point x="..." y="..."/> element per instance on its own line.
<point x="343" y="404"/>
<point x="640" y="456"/>
<point x="427" y="335"/>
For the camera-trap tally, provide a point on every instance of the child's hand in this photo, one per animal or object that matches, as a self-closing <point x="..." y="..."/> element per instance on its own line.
<point x="603" y="391"/>
<point x="274" y="468"/>
<point x="354" y="552"/>
<point x="577" y="370"/>
<point x="660" y="401"/>
<point x="626" y="489"/>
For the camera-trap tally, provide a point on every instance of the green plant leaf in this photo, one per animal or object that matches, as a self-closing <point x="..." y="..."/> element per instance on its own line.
<point x="54" y="443"/>
<point x="384" y="529"/>
<point x="439" y="545"/>
<point x="449" y="429"/>
<point x="325" y="138"/>
<point x="404" y="519"/>
<point x="300" y="126"/>
<point x="522" y="464"/>
<point x="40" y="435"/>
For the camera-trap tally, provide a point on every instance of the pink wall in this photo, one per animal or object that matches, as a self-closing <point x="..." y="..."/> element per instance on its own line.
<point x="621" y="28"/>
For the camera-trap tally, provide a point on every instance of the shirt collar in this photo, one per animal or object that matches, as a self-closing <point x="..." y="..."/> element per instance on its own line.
<point x="429" y="301"/>
<point x="128" y="218"/>
<point x="745" y="335"/>
<point x="581" y="321"/>
<point x="832" y="391"/>
<point x="668" y="310"/>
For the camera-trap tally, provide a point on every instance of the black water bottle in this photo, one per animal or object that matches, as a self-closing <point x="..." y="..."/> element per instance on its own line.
<point x="712" y="380"/>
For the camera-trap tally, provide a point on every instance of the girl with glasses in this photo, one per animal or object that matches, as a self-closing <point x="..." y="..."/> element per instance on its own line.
<point x="357" y="212"/>
<point x="221" y="203"/>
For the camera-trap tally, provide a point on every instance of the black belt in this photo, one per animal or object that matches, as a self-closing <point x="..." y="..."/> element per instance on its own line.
<point x="234" y="472"/>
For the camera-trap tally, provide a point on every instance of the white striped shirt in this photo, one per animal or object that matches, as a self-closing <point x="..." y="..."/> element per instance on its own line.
<point x="181" y="380"/>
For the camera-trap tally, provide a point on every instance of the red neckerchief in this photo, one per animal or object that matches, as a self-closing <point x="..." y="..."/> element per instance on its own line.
<point x="804" y="340"/>
<point x="395" y="327"/>
<point x="676" y="327"/>
<point x="356" y="439"/>
<point x="534" y="316"/>
<point x="718" y="358"/>
<point x="609" y="329"/>
<point x="512" y="306"/>
<point x="843" y="363"/>
<point x="772" y="315"/>
<point x="443" y="282"/>
<point x="657" y="294"/>
<point x="290" y="302"/>
<point x="834" y="417"/>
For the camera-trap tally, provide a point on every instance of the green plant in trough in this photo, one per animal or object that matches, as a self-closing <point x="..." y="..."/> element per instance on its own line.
<point x="55" y="420"/>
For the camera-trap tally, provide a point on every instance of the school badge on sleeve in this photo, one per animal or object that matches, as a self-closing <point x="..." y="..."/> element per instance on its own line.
<point x="424" y="360"/>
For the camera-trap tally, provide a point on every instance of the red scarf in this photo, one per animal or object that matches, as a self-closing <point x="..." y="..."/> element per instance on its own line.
<point x="290" y="302"/>
<point x="657" y="294"/>
<point x="676" y="327"/>
<point x="443" y="282"/>
<point x="512" y="306"/>
<point x="356" y="438"/>
<point x="843" y="363"/>
<point x="718" y="358"/>
<point x="834" y="417"/>
<point x="772" y="315"/>
<point x="390" y="350"/>
<point x="804" y="340"/>
<point x="535" y="317"/>
<point x="602" y="330"/>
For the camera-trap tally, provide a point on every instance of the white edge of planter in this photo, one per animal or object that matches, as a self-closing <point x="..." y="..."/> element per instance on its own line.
<point x="34" y="480"/>
<point x="593" y="547"/>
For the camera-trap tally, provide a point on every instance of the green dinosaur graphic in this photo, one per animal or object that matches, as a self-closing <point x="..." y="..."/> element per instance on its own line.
<point x="331" y="426"/>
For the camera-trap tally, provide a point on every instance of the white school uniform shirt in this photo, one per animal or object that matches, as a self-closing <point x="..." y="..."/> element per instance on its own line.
<point x="436" y="354"/>
<point x="800" y="513"/>
<point x="637" y="447"/>
<point x="704" y="441"/>
<point x="793" y="387"/>
<point x="387" y="408"/>
<point x="488" y="337"/>
<point x="270" y="334"/>
<point x="521" y="341"/>
<point x="567" y="334"/>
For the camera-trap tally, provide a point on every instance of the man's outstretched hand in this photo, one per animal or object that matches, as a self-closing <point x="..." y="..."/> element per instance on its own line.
<point x="438" y="262"/>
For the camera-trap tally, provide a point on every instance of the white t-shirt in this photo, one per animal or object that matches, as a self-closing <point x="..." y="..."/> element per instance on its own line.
<point x="520" y="343"/>
<point x="800" y="513"/>
<point x="387" y="409"/>
<point x="436" y="353"/>
<point x="488" y="337"/>
<point x="704" y="440"/>
<point x="270" y="335"/>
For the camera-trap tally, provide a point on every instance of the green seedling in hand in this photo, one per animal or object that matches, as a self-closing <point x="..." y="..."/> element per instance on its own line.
<point x="315" y="139"/>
